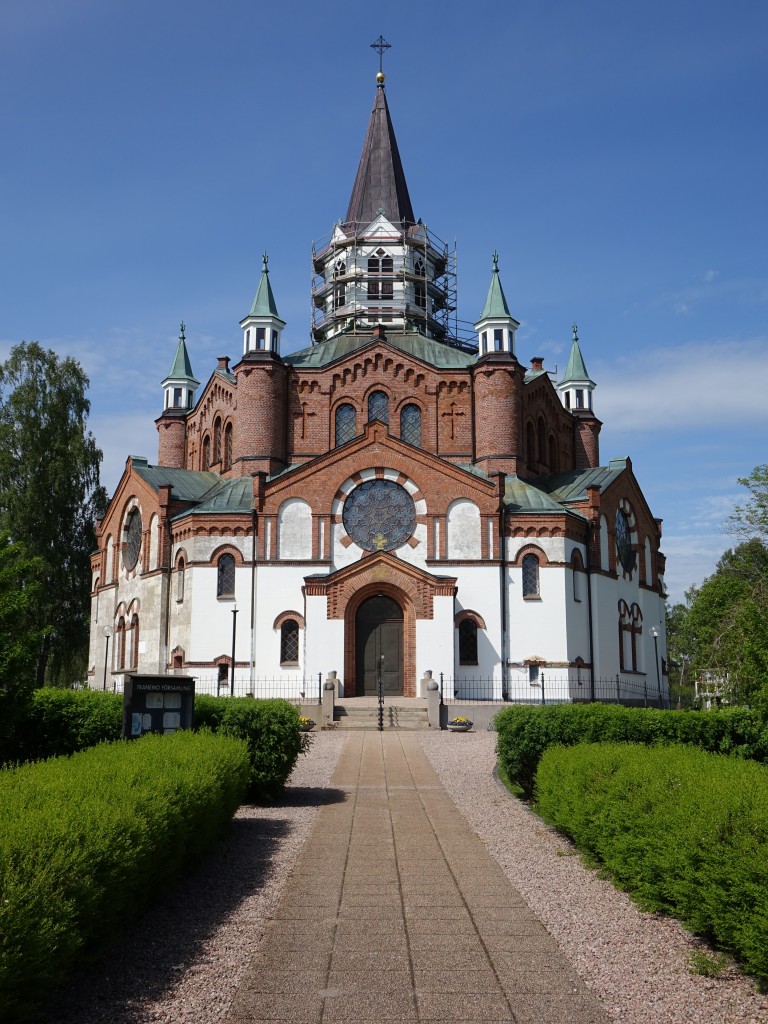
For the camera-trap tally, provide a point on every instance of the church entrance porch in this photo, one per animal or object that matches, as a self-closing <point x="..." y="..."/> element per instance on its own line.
<point x="379" y="647"/>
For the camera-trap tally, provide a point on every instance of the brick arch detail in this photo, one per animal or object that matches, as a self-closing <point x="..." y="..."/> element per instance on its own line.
<point x="227" y="549"/>
<point x="530" y="549"/>
<point x="467" y="613"/>
<point x="284" y="616"/>
<point x="409" y="634"/>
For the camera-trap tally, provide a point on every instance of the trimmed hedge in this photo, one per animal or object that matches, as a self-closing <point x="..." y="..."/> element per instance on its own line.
<point x="684" y="831"/>
<point x="36" y="724"/>
<point x="86" y="841"/>
<point x="526" y="731"/>
<point x="270" y="729"/>
<point x="49" y="722"/>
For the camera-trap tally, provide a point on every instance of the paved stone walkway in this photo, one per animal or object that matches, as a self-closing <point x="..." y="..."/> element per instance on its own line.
<point x="395" y="912"/>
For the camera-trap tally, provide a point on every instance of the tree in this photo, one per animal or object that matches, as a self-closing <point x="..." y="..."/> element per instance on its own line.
<point x="19" y="592"/>
<point x="50" y="494"/>
<point x="751" y="519"/>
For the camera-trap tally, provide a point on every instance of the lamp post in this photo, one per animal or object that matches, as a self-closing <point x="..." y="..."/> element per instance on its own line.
<point x="107" y="631"/>
<point x="655" y="635"/>
<point x="234" y="638"/>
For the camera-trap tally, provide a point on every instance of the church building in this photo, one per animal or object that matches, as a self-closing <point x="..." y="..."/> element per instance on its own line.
<point x="397" y="497"/>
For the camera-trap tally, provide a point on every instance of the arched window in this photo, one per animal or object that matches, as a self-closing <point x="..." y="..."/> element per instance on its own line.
<point x="339" y="289"/>
<point x="228" y="446"/>
<point x="135" y="641"/>
<point x="225" y="579"/>
<point x="345" y="424"/>
<point x="217" y="441"/>
<point x="120" y="643"/>
<point x="467" y="642"/>
<point x="378" y="407"/>
<point x="374" y="267"/>
<point x="530" y="576"/>
<point x="542" y="438"/>
<point x="552" y="454"/>
<point x="410" y="425"/>
<point x="206" y="464"/>
<point x="576" y="571"/>
<point x="630" y="629"/>
<point x="289" y="642"/>
<point x="530" y="445"/>
<point x="180" y="580"/>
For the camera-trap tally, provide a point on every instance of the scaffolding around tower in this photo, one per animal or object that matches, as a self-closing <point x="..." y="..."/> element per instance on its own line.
<point x="402" y="276"/>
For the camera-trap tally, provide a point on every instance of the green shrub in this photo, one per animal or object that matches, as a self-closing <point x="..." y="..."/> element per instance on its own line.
<point x="49" y="722"/>
<point x="86" y="841"/>
<point x="684" y="831"/>
<point x="271" y="731"/>
<point x="526" y="731"/>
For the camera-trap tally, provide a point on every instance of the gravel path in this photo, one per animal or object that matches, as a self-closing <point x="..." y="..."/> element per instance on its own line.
<point x="183" y="961"/>
<point x="636" y="963"/>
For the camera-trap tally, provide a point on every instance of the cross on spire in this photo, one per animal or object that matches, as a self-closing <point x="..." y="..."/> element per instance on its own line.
<point x="381" y="45"/>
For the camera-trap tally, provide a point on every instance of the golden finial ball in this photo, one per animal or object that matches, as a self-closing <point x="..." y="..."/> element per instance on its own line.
<point x="380" y="77"/>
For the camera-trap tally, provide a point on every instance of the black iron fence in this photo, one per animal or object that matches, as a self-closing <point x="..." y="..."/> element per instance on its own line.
<point x="295" y="689"/>
<point x="551" y="689"/>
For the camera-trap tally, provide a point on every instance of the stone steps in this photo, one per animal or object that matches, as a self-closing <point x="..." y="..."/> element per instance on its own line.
<point x="367" y="717"/>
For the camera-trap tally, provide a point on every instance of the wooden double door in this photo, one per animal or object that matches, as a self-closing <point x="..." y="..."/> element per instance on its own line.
<point x="379" y="647"/>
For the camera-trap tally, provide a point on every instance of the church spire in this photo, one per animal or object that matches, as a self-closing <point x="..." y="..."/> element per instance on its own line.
<point x="380" y="185"/>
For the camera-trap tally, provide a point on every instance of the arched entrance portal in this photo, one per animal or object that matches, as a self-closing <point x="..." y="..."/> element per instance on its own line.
<point x="379" y="646"/>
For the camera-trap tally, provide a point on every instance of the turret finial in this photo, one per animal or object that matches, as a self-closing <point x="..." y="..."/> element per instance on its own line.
<point x="575" y="333"/>
<point x="264" y="263"/>
<point x="182" y="328"/>
<point x="495" y="262"/>
<point x="381" y="45"/>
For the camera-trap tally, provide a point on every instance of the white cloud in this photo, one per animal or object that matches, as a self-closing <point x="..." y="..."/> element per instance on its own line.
<point x="690" y="559"/>
<point x="691" y="386"/>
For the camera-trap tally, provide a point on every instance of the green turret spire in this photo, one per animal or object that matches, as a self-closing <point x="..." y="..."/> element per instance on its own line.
<point x="575" y="370"/>
<point x="496" y="302"/>
<point x="181" y="368"/>
<point x="264" y="303"/>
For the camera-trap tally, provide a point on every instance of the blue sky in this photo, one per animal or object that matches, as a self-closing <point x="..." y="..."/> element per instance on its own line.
<point x="614" y="154"/>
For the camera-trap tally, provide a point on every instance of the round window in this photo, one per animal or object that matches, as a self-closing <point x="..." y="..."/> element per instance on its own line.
<point x="624" y="541"/>
<point x="379" y="515"/>
<point x="132" y="548"/>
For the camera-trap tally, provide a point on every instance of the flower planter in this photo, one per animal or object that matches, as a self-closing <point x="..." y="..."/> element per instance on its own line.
<point x="459" y="726"/>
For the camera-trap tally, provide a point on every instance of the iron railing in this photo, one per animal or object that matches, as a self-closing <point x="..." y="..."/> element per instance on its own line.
<point x="551" y="689"/>
<point x="295" y="689"/>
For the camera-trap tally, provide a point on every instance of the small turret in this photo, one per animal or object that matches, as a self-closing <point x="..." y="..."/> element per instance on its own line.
<point x="496" y="326"/>
<point x="576" y="389"/>
<point x="262" y="326"/>
<point x="178" y="398"/>
<point x="179" y="386"/>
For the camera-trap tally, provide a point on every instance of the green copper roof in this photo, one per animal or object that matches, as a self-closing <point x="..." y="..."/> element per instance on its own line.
<point x="264" y="303"/>
<point x="187" y="484"/>
<point x="496" y="302"/>
<point x="182" y="367"/>
<point x="572" y="485"/>
<point x="434" y="353"/>
<point x="575" y="370"/>
<point x="527" y="496"/>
